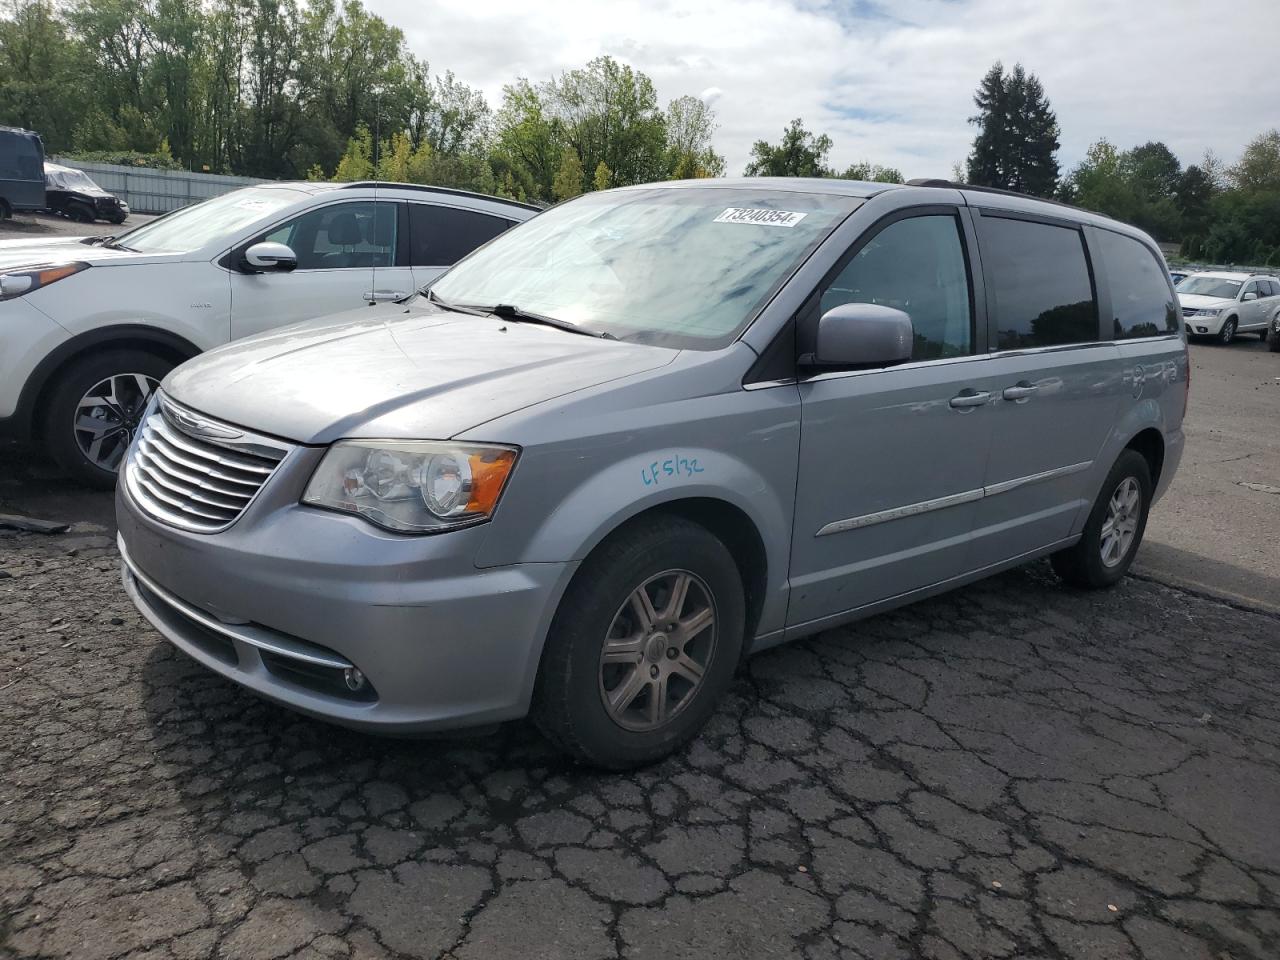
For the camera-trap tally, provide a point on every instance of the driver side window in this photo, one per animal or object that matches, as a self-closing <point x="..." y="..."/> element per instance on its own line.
<point x="361" y="234"/>
<point x="918" y="266"/>
<point x="1250" y="287"/>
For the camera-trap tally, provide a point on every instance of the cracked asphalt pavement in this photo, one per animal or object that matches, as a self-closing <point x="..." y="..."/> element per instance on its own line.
<point x="1014" y="770"/>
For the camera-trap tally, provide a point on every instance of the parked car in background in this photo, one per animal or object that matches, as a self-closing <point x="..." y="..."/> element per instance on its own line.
<point x="21" y="171"/>
<point x="73" y="194"/>
<point x="1223" y="304"/>
<point x="646" y="432"/>
<point x="89" y="326"/>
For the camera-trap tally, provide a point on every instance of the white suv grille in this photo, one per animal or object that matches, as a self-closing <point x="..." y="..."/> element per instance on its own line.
<point x="193" y="472"/>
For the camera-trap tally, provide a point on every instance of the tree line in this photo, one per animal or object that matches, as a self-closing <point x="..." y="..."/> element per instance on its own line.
<point x="324" y="89"/>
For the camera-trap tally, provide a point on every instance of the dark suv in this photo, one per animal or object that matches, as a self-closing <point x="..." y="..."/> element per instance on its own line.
<point x="73" y="194"/>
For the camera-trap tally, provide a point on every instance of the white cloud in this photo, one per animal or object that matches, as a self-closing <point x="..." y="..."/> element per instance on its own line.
<point x="891" y="83"/>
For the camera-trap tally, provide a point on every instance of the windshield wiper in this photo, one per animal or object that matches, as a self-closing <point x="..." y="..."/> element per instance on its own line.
<point x="113" y="244"/>
<point x="454" y="307"/>
<point x="508" y="311"/>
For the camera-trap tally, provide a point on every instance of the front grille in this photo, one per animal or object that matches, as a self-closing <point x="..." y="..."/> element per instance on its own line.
<point x="198" y="483"/>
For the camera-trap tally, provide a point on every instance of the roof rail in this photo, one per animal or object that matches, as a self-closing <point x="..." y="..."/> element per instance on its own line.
<point x="427" y="188"/>
<point x="999" y="191"/>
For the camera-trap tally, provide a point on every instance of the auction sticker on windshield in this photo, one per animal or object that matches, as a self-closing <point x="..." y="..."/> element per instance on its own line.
<point x="768" y="218"/>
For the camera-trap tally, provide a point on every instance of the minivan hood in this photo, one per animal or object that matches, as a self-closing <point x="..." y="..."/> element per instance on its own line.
<point x="398" y="372"/>
<point x="1199" y="301"/>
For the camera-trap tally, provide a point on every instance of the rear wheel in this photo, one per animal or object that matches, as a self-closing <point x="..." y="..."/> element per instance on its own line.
<point x="1228" y="332"/>
<point x="94" y="410"/>
<point x="79" y="212"/>
<point x="1114" y="528"/>
<point x="643" y="645"/>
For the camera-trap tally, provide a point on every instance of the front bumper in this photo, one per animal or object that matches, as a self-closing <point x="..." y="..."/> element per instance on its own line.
<point x="1204" y="326"/>
<point x="289" y="598"/>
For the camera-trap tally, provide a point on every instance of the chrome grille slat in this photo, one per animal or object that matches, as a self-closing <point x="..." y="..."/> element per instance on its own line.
<point x="223" y="457"/>
<point x="184" y="468"/>
<point x="167" y="480"/>
<point x="202" y="483"/>
<point x="172" y="453"/>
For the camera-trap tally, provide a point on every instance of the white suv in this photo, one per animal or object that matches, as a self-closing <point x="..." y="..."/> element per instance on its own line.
<point x="1224" y="304"/>
<point x="89" y="326"/>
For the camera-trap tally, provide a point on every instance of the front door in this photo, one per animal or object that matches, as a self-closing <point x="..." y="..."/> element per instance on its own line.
<point x="892" y="460"/>
<point x="347" y="256"/>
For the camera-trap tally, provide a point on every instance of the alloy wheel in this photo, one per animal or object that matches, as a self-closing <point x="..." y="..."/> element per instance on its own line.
<point x="657" y="650"/>
<point x="1228" y="332"/>
<point x="108" y="416"/>
<point x="1121" y="525"/>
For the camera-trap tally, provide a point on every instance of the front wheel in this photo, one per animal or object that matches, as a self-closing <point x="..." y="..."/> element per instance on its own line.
<point x="643" y="645"/>
<point x="94" y="410"/>
<point x="1114" y="528"/>
<point x="1228" y="332"/>
<point x="1273" y="340"/>
<point x="80" y="212"/>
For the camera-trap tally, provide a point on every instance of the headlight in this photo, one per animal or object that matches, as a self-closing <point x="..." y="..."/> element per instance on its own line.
<point x="1208" y="311"/>
<point x="412" y="486"/>
<point x="18" y="283"/>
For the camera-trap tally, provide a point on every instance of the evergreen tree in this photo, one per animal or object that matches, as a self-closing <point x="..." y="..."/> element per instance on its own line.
<point x="568" y="181"/>
<point x="601" y="180"/>
<point x="1017" y="142"/>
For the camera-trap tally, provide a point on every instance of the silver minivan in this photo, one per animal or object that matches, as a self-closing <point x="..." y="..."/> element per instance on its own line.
<point x="646" y="433"/>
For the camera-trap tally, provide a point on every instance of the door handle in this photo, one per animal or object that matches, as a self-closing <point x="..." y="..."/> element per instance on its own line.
<point x="1020" y="391"/>
<point x="375" y="296"/>
<point x="970" y="398"/>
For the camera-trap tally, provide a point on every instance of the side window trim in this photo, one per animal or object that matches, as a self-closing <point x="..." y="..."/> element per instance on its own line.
<point x="808" y="314"/>
<point x="1093" y="265"/>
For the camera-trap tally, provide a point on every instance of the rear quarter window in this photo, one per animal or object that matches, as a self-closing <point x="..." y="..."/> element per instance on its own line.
<point x="1140" y="297"/>
<point x="1039" y="280"/>
<point x="441" y="236"/>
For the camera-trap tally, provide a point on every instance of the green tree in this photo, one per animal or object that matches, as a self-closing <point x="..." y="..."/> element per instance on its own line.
<point x="689" y="155"/>
<point x="1017" y="141"/>
<point x="38" y="72"/>
<point x="1259" y="166"/>
<point x="529" y="140"/>
<point x="601" y="179"/>
<point x="872" y="172"/>
<point x="799" y="154"/>
<point x="568" y="181"/>
<point x="1194" y="197"/>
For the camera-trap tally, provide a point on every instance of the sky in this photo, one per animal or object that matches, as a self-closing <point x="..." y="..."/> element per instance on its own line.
<point x="892" y="82"/>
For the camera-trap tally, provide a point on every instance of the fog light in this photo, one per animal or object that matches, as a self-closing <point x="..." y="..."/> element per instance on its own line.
<point x="1203" y="329"/>
<point x="354" y="679"/>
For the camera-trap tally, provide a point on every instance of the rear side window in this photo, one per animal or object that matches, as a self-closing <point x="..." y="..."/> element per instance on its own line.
<point x="1039" y="282"/>
<point x="441" y="236"/>
<point x="1140" y="296"/>
<point x="918" y="266"/>
<point x="20" y="158"/>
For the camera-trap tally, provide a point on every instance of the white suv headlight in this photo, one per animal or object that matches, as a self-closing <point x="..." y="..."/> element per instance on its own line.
<point x="412" y="486"/>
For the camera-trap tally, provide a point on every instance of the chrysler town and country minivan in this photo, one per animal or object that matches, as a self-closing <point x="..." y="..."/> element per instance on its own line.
<point x="648" y="432"/>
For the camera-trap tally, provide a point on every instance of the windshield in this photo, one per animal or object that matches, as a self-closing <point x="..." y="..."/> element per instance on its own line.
<point x="1210" y="287"/>
<point x="72" y="180"/>
<point x="195" y="226"/>
<point x="677" y="267"/>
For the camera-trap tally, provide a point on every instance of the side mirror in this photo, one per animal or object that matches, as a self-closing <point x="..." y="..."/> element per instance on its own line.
<point x="862" y="335"/>
<point x="1249" y="296"/>
<point x="270" y="256"/>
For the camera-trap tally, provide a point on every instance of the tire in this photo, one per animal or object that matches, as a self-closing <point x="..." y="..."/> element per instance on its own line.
<point x="117" y="417"/>
<point x="119" y="219"/>
<point x="1228" y="331"/>
<point x="79" y="212"/>
<point x="1273" y="341"/>
<point x="1264" y="334"/>
<point x="1084" y="565"/>
<point x="6" y="211"/>
<point x="574" y="680"/>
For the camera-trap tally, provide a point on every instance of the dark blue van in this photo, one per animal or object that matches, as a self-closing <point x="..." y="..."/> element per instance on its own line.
<point x="21" y="171"/>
